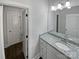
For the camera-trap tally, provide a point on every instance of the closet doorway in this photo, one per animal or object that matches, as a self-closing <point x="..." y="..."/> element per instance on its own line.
<point x="15" y="27"/>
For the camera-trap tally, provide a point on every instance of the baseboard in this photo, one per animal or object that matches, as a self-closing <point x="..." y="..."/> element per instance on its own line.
<point x="11" y="44"/>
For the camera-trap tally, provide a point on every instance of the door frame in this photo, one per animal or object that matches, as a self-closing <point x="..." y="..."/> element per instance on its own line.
<point x="2" y="55"/>
<point x="18" y="5"/>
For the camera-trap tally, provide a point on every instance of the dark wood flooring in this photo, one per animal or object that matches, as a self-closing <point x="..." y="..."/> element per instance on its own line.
<point x="14" y="51"/>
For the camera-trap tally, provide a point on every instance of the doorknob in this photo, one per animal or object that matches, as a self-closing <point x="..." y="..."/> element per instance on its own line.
<point x="10" y="31"/>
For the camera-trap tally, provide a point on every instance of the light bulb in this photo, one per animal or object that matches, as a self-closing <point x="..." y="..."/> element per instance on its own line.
<point x="69" y="7"/>
<point x="67" y="4"/>
<point x="53" y="8"/>
<point x="60" y="6"/>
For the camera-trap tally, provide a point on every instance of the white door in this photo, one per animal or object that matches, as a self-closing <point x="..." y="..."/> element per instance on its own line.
<point x="13" y="25"/>
<point x="72" y="27"/>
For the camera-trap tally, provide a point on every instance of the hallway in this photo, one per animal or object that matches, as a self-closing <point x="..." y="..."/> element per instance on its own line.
<point x="14" y="51"/>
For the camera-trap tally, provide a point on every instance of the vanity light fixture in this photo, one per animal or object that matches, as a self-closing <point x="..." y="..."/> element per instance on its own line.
<point x="61" y="6"/>
<point x="53" y="8"/>
<point x="68" y="5"/>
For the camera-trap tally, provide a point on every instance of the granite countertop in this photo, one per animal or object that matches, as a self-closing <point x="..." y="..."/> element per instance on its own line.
<point x="51" y="40"/>
<point x="69" y="38"/>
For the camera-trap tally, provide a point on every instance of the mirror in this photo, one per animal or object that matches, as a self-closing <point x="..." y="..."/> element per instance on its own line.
<point x="65" y="21"/>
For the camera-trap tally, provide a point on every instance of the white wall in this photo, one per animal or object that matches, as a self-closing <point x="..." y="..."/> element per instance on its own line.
<point x="39" y="11"/>
<point x="37" y="23"/>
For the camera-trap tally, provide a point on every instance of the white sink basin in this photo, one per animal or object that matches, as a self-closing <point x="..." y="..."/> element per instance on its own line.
<point x="62" y="46"/>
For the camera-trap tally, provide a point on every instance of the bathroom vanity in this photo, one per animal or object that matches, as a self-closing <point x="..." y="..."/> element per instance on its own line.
<point x="55" y="46"/>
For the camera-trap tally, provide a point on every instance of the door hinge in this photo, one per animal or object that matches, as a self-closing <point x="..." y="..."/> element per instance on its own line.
<point x="26" y="36"/>
<point x="26" y="15"/>
<point x="27" y="57"/>
<point x="40" y="58"/>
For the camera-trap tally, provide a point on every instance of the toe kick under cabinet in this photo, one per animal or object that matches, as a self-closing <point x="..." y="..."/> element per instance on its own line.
<point x="48" y="52"/>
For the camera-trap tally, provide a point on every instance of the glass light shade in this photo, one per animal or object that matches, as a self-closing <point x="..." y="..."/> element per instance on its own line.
<point x="60" y="6"/>
<point x="53" y="8"/>
<point x="69" y="7"/>
<point x="67" y="4"/>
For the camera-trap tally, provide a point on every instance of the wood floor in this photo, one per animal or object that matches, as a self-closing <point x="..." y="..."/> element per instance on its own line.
<point x="14" y="52"/>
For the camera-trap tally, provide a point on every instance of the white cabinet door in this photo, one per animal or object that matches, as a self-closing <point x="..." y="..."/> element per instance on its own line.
<point x="60" y="56"/>
<point x="51" y="53"/>
<point x="51" y="56"/>
<point x="44" y="53"/>
<point x="43" y="49"/>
